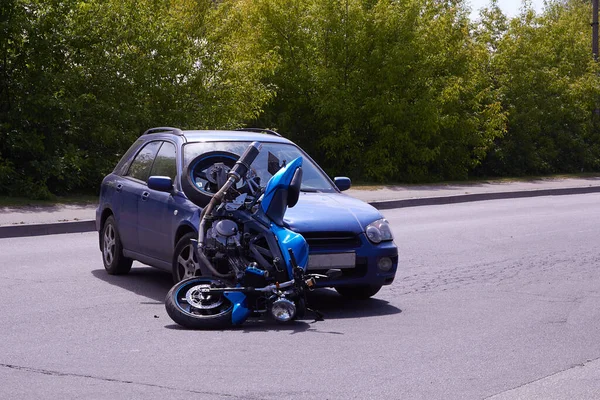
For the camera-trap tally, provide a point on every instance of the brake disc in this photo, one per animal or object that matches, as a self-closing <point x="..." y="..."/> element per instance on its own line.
<point x="198" y="297"/>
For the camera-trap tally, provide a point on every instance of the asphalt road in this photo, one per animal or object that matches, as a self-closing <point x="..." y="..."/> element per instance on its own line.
<point x="492" y="298"/>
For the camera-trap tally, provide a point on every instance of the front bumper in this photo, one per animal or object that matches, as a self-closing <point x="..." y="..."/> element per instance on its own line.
<point x="365" y="271"/>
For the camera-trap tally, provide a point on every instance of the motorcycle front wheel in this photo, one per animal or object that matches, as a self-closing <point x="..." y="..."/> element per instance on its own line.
<point x="190" y="307"/>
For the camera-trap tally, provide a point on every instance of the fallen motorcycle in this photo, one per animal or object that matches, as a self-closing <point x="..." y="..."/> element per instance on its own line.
<point x="249" y="263"/>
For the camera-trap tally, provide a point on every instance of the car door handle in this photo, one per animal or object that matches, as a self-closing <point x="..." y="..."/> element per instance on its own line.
<point x="145" y="196"/>
<point x="119" y="187"/>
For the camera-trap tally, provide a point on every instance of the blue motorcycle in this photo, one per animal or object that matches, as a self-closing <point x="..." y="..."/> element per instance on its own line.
<point x="250" y="264"/>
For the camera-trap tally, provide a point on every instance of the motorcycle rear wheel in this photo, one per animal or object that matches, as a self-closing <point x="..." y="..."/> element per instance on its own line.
<point x="190" y="308"/>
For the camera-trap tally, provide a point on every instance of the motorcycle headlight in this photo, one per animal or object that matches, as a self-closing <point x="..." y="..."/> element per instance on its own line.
<point x="379" y="231"/>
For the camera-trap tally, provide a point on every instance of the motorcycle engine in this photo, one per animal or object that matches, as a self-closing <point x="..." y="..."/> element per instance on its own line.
<point x="228" y="251"/>
<point x="223" y="235"/>
<point x="224" y="246"/>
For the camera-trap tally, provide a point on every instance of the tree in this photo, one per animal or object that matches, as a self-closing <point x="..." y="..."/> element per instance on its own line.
<point x="380" y="90"/>
<point x="549" y="85"/>
<point x="84" y="78"/>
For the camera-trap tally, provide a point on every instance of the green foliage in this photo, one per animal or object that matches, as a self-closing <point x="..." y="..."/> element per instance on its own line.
<point x="401" y="90"/>
<point x="549" y="85"/>
<point x="380" y="90"/>
<point x="82" y="79"/>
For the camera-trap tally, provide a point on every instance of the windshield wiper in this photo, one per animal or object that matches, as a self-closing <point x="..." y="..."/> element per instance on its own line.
<point x="309" y="190"/>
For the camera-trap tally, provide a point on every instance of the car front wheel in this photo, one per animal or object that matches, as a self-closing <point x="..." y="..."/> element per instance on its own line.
<point x="185" y="260"/>
<point x="114" y="261"/>
<point x="361" y="292"/>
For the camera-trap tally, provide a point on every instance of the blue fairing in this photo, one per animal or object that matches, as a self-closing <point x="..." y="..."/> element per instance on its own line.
<point x="240" y="308"/>
<point x="280" y="181"/>
<point x="288" y="239"/>
<point x="274" y="205"/>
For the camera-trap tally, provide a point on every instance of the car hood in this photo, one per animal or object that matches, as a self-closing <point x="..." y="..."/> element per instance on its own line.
<point x="318" y="212"/>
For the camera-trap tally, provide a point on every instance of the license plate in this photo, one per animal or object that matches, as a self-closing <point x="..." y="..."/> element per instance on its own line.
<point x="332" y="261"/>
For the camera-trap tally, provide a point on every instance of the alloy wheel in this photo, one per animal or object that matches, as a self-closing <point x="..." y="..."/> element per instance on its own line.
<point x="187" y="263"/>
<point x="109" y="244"/>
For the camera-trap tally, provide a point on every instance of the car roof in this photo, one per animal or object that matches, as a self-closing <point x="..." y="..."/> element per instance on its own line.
<point x="223" y="135"/>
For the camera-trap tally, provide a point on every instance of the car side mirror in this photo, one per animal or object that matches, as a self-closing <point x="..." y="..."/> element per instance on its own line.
<point x="160" y="183"/>
<point x="342" y="182"/>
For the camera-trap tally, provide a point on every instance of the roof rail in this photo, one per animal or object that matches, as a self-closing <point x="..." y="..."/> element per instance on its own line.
<point x="260" y="130"/>
<point x="175" y="131"/>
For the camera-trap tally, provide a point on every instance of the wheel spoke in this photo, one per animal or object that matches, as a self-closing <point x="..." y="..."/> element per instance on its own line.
<point x="108" y="256"/>
<point x="109" y="247"/>
<point x="190" y="253"/>
<point x="186" y="263"/>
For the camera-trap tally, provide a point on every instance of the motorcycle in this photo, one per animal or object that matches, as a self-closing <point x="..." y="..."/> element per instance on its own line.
<point x="250" y="264"/>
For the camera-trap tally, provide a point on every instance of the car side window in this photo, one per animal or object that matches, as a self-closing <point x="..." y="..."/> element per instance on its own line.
<point x="165" y="163"/>
<point x="121" y="167"/>
<point x="141" y="165"/>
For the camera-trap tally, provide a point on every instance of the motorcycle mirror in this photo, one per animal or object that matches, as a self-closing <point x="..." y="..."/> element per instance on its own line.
<point x="294" y="188"/>
<point x="273" y="164"/>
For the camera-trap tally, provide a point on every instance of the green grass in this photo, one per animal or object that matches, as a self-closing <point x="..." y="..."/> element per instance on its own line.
<point x="6" y="201"/>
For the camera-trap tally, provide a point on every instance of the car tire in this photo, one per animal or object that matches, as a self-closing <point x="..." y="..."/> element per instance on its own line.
<point x="184" y="258"/>
<point x="361" y="292"/>
<point x="113" y="259"/>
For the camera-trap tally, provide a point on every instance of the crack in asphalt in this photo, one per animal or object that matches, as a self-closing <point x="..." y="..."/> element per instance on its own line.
<point x="543" y="297"/>
<point x="580" y="365"/>
<point x="68" y="374"/>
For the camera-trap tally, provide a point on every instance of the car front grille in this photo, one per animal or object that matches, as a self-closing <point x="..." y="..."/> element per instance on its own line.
<point x="331" y="240"/>
<point x="337" y="242"/>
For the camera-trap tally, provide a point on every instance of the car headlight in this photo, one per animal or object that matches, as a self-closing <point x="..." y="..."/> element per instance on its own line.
<point x="379" y="231"/>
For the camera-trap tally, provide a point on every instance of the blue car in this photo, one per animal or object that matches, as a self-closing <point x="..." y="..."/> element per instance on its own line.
<point x="149" y="212"/>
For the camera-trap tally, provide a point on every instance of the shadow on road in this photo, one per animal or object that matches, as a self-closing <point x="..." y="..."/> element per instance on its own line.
<point x="154" y="284"/>
<point x="145" y="281"/>
<point x="260" y="324"/>
<point x="334" y="306"/>
<point x="326" y="301"/>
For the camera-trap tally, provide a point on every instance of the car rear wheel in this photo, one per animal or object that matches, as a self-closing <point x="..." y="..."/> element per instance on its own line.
<point x="361" y="292"/>
<point x="185" y="260"/>
<point x="114" y="261"/>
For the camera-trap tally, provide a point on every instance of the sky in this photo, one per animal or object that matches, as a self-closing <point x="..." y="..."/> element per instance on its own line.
<point x="509" y="7"/>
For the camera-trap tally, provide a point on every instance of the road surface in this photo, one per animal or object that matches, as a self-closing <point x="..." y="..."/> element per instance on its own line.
<point x="495" y="298"/>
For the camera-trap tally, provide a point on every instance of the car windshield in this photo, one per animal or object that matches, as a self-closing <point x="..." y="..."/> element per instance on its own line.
<point x="313" y="179"/>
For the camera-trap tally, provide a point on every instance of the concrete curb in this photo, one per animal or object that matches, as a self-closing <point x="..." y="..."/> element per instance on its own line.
<point x="464" y="198"/>
<point x="23" y="230"/>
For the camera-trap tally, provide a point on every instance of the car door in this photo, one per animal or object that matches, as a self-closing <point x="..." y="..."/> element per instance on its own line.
<point x="133" y="187"/>
<point x="156" y="209"/>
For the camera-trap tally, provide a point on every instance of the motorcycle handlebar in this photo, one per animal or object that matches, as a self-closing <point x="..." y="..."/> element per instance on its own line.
<point x="242" y="165"/>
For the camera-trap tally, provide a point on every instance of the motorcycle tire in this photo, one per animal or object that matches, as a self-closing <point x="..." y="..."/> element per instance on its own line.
<point x="361" y="292"/>
<point x="207" y="312"/>
<point x="197" y="195"/>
